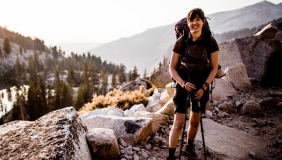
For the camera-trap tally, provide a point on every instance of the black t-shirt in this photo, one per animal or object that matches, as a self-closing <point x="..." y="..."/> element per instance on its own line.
<point x="199" y="51"/>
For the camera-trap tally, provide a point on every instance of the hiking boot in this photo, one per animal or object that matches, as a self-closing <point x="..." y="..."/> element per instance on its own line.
<point x="190" y="151"/>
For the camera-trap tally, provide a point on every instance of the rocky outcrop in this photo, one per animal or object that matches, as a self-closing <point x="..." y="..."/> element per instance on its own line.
<point x="229" y="143"/>
<point x="57" y="135"/>
<point x="260" y="55"/>
<point x="161" y="77"/>
<point x="269" y="31"/>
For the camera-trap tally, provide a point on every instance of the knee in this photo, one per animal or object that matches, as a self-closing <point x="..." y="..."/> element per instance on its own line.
<point x="178" y="126"/>
<point x="194" y="124"/>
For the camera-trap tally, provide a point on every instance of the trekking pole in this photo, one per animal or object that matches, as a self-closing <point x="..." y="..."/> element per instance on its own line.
<point x="184" y="126"/>
<point x="205" y="152"/>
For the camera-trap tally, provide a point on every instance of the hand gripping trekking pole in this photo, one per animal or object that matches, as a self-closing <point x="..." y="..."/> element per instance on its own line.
<point x="205" y="152"/>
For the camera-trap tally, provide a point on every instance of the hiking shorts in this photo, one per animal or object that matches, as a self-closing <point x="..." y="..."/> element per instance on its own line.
<point x="182" y="103"/>
<point x="180" y="95"/>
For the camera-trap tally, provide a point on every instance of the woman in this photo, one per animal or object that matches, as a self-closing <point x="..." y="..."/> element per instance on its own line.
<point x="200" y="76"/>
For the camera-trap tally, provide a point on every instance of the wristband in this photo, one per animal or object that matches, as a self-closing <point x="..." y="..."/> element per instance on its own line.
<point x="203" y="88"/>
<point x="183" y="85"/>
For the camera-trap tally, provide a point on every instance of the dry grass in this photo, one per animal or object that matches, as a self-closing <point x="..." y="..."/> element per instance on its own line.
<point x="116" y="98"/>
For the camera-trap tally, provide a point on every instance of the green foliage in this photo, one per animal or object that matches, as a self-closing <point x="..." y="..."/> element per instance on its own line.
<point x="135" y="73"/>
<point x="115" y="98"/>
<point x="7" y="46"/>
<point x="36" y="105"/>
<point x="121" y="74"/>
<point x="145" y="74"/>
<point x="114" y="81"/>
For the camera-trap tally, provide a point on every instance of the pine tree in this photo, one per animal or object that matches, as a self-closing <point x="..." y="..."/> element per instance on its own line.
<point x="134" y="73"/>
<point x="114" y="79"/>
<point x="104" y="83"/>
<point x="130" y="76"/>
<point x="79" y="99"/>
<point x="7" y="46"/>
<point x="121" y="74"/>
<point x="145" y="74"/>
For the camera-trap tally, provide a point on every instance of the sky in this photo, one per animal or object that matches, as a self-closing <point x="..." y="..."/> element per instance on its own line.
<point x="100" y="21"/>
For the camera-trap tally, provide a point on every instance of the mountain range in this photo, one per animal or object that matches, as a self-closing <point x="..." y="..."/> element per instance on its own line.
<point x="146" y="50"/>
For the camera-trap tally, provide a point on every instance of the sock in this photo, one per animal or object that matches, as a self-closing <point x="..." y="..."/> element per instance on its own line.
<point x="171" y="152"/>
<point x="190" y="142"/>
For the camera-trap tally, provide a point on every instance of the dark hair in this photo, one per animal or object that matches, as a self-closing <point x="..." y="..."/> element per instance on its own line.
<point x="196" y="12"/>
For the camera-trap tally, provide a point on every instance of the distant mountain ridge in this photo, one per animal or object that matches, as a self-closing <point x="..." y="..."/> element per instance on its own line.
<point x="145" y="50"/>
<point x="246" y="17"/>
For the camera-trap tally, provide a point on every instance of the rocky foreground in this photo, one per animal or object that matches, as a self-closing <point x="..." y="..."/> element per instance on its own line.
<point x="230" y="132"/>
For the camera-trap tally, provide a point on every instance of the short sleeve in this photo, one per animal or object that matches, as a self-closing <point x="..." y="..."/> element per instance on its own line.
<point x="178" y="45"/>
<point x="213" y="47"/>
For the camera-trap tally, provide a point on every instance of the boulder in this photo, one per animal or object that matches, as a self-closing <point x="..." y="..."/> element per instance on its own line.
<point x="164" y="98"/>
<point x="154" y="103"/>
<point x="109" y="111"/>
<point x="104" y="143"/>
<point x="170" y="87"/>
<point x="237" y="75"/>
<point x="269" y="31"/>
<point x="222" y="90"/>
<point x="131" y="129"/>
<point x="226" y="107"/>
<point x="252" y="109"/>
<point x="161" y="77"/>
<point x="167" y="109"/>
<point x="268" y="102"/>
<point x="14" y="125"/>
<point x="57" y="135"/>
<point x="130" y="112"/>
<point x="158" y="119"/>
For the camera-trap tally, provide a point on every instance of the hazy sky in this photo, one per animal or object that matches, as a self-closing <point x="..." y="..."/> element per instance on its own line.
<point x="100" y="20"/>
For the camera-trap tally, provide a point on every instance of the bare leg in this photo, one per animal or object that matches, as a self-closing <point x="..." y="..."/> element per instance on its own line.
<point x="176" y="129"/>
<point x="194" y="121"/>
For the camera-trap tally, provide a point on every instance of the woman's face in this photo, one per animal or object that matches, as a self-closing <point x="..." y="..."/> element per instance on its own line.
<point x="195" y="25"/>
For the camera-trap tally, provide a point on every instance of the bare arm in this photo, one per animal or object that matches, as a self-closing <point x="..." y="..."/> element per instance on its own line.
<point x="214" y="67"/>
<point x="172" y="69"/>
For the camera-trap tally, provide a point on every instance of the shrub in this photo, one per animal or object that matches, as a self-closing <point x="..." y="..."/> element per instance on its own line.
<point x="115" y="98"/>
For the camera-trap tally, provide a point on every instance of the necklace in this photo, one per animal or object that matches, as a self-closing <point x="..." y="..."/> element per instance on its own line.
<point x="197" y="56"/>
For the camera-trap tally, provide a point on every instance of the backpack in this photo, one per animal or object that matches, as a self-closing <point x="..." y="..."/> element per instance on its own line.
<point x="181" y="29"/>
